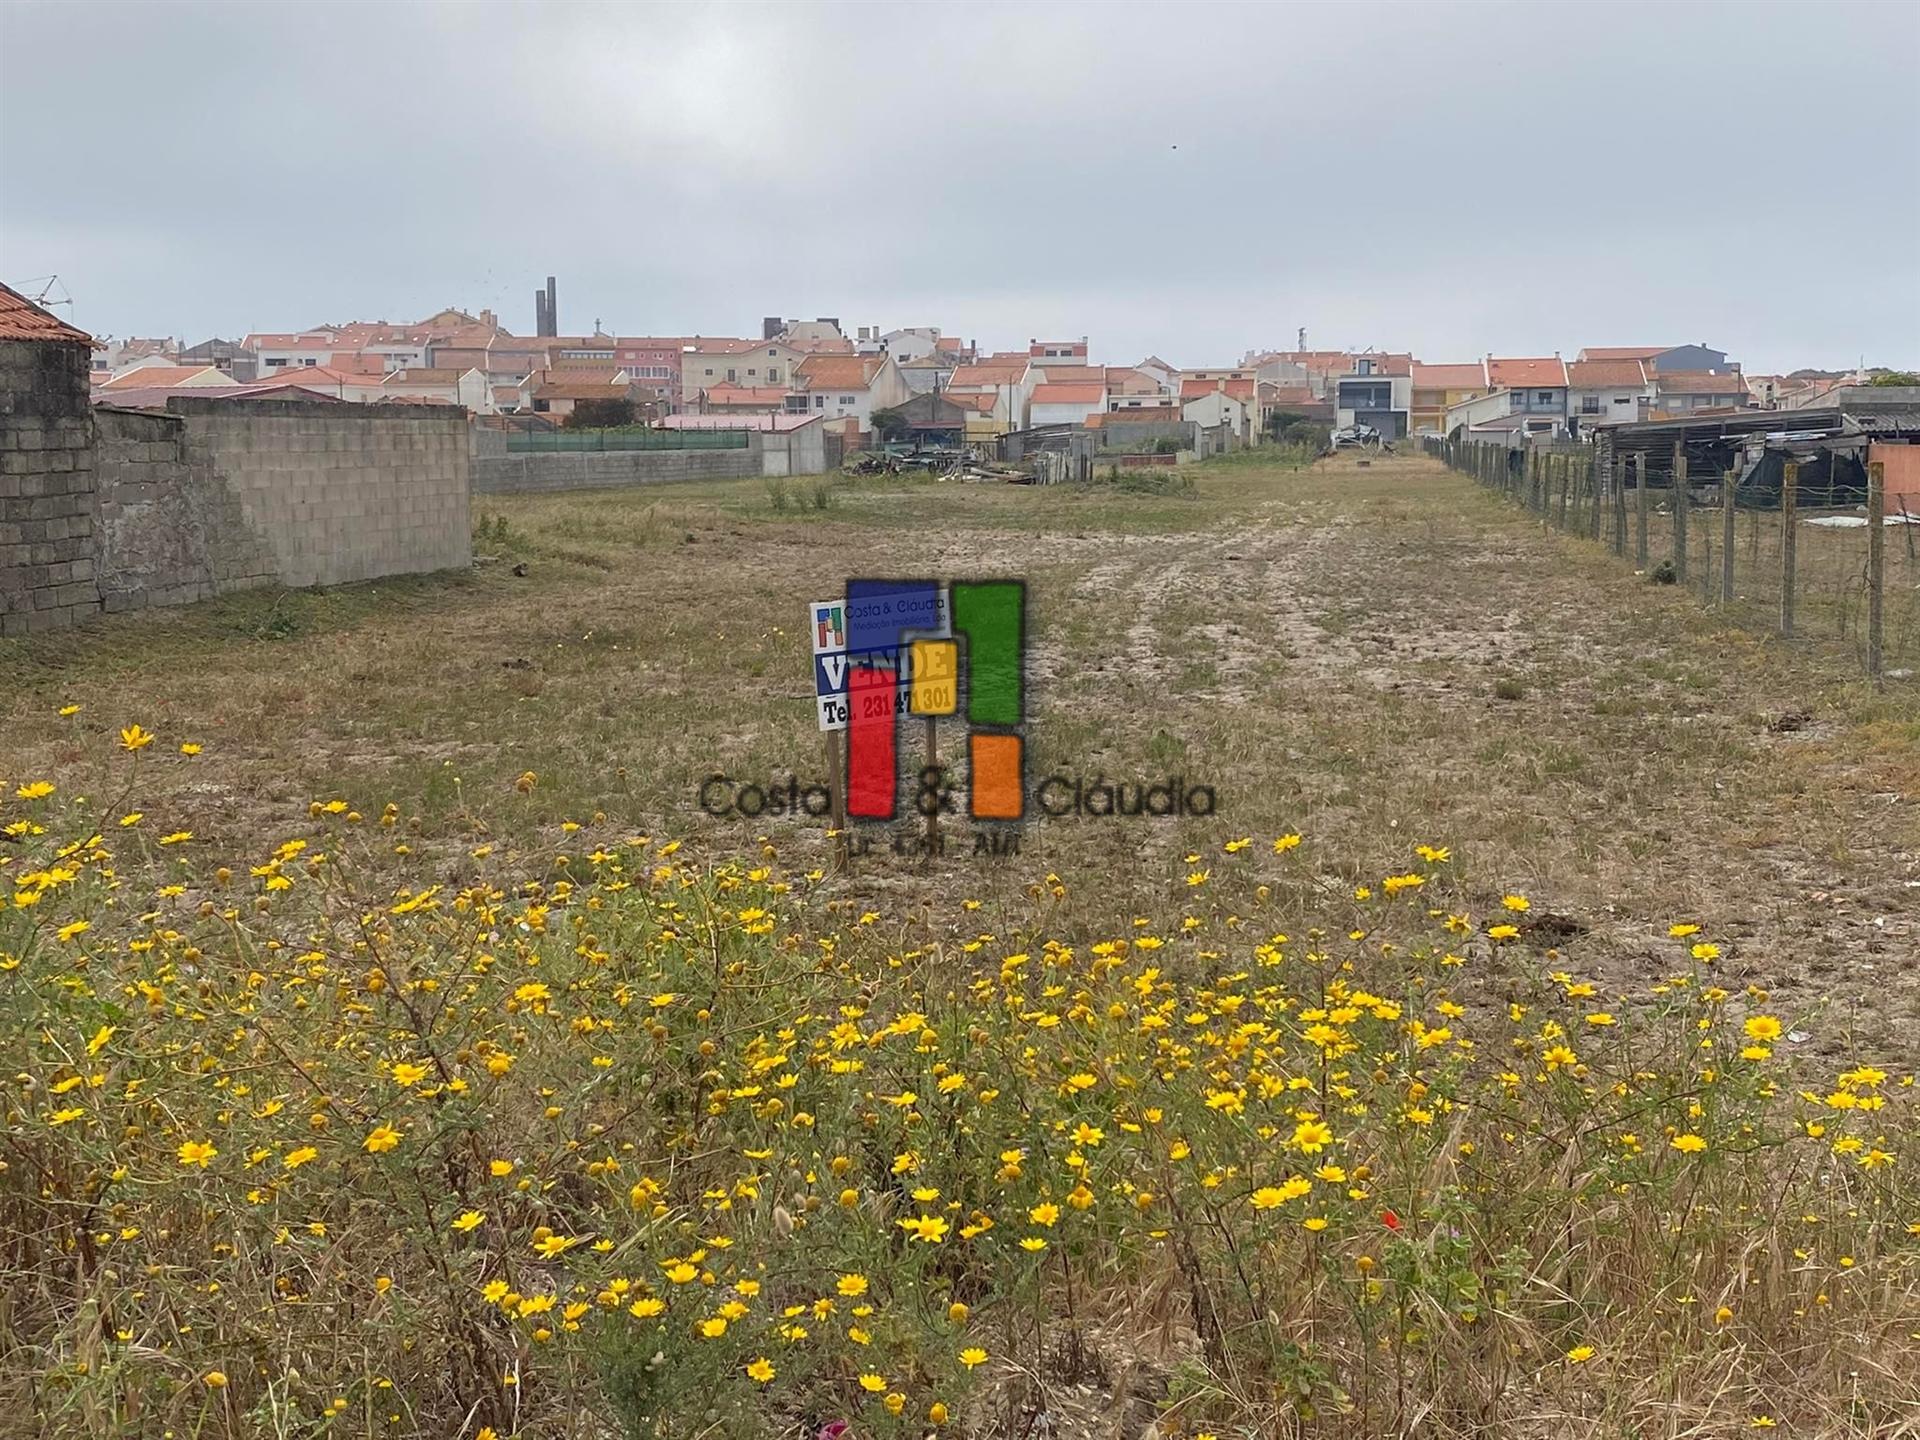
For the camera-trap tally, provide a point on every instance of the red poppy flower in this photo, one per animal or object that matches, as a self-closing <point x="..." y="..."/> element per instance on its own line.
<point x="1390" y="1220"/>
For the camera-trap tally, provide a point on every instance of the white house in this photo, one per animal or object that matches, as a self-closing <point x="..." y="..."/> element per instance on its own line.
<point x="1605" y="392"/>
<point x="1066" y="402"/>
<point x="1011" y="384"/>
<point x="1162" y="374"/>
<point x="756" y="364"/>
<point x="913" y="343"/>
<point x="1218" y="406"/>
<point x="470" y="388"/>
<point x="834" y="387"/>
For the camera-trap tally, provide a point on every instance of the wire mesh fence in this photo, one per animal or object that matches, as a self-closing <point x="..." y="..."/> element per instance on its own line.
<point x="1817" y="563"/>
<point x="626" y="437"/>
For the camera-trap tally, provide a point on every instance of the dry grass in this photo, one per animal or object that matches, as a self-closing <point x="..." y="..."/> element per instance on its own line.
<point x="1333" y="650"/>
<point x="1376" y="659"/>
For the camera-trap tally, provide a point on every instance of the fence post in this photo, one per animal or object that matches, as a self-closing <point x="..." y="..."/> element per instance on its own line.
<point x="1789" y="508"/>
<point x="1559" y="463"/>
<point x="1680" y="512"/>
<point x="1641" y="505"/>
<point x="1876" y="561"/>
<point x="1617" y="478"/>
<point x="1727" y="486"/>
<point x="1594" y="483"/>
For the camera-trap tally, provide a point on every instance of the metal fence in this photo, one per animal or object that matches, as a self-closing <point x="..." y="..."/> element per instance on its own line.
<point x="635" y="437"/>
<point x="1777" y="559"/>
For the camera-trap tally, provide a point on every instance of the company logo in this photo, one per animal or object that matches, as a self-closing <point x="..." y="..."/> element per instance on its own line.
<point x="904" y="657"/>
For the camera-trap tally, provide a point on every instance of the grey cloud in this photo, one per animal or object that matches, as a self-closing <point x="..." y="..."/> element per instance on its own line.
<point x="1444" y="178"/>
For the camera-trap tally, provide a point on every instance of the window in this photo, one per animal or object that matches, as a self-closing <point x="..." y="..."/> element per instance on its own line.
<point x="846" y="400"/>
<point x="819" y="402"/>
<point x="732" y="375"/>
<point x="276" y="364"/>
<point x="1543" y="397"/>
<point x="309" y="362"/>
<point x="751" y="373"/>
<point x="709" y="374"/>
<point x="773" y="374"/>
<point x="1589" y="404"/>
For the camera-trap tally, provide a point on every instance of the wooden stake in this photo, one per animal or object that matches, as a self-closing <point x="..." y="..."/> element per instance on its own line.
<point x="1618" y="479"/>
<point x="1642" y="503"/>
<point x="1679" y="512"/>
<point x="837" y="778"/>
<point x="1876" y="561"/>
<point x="1727" y="484"/>
<point x="1789" y="507"/>
<point x="933" y="761"/>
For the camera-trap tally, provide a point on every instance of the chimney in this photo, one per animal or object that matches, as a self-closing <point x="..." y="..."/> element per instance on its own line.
<point x="770" y="326"/>
<point x="553" y="309"/>
<point x="489" y="319"/>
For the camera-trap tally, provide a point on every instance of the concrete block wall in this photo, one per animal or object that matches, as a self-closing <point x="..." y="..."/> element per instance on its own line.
<point x="342" y="493"/>
<point x="168" y="528"/>
<point x="46" y="487"/>
<point x="608" y="469"/>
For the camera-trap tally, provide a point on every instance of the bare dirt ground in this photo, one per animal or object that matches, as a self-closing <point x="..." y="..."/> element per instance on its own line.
<point x="1374" y="657"/>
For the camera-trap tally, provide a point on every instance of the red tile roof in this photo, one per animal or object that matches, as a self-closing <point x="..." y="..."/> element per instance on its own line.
<point x="1607" y="372"/>
<point x="581" y="390"/>
<point x="1622" y="352"/>
<point x="1550" y="371"/>
<point x="1073" y="393"/>
<point x="150" y="377"/>
<point x="1449" y="377"/>
<point x="1701" y="382"/>
<point x="419" y="376"/>
<point x="1074" y="374"/>
<point x="1142" y="413"/>
<point x="21" y="319"/>
<point x="1288" y="394"/>
<point x="987" y="374"/>
<point x="825" y="345"/>
<point x="838" y="372"/>
<point x="746" y="395"/>
<point x="1197" y="389"/>
<point x="979" y="404"/>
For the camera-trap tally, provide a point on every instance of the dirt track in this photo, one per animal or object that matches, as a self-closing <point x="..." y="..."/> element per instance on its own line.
<point x="1374" y="658"/>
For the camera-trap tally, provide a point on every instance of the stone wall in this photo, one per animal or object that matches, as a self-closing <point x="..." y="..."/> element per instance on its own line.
<point x="341" y="492"/>
<point x="169" y="529"/>
<point x="46" y="486"/>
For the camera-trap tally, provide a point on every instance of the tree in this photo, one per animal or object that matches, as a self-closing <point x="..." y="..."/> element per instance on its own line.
<point x="1895" y="377"/>
<point x="890" y="424"/>
<point x="596" y="414"/>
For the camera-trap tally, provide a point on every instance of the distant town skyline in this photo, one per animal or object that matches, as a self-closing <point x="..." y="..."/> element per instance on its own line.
<point x="1455" y="180"/>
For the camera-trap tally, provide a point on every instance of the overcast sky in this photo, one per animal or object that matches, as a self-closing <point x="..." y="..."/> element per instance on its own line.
<point x="1190" y="179"/>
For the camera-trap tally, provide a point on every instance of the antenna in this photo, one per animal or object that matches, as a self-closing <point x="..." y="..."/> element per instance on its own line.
<point x="48" y="284"/>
